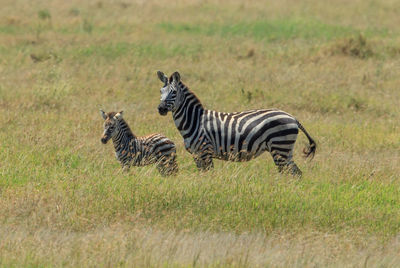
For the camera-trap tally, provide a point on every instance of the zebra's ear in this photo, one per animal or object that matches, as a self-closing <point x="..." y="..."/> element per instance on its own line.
<point x="162" y="77"/>
<point x="119" y="115"/>
<point x="176" y="77"/>
<point x="103" y="114"/>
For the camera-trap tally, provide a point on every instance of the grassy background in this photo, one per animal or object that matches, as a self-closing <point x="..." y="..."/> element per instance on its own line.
<point x="63" y="200"/>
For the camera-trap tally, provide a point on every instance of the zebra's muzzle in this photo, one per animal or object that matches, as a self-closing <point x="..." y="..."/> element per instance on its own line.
<point x="162" y="109"/>
<point x="104" y="140"/>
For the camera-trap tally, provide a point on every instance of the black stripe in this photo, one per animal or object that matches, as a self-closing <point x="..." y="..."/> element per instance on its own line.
<point x="218" y="133"/>
<point x="226" y="128"/>
<point x="284" y="142"/>
<point x="212" y="131"/>
<point x="164" y="150"/>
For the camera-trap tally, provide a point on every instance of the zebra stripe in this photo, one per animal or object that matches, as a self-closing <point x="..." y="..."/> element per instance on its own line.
<point x="131" y="150"/>
<point x="239" y="136"/>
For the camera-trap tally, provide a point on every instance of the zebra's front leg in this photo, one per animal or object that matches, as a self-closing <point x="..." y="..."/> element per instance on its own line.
<point x="204" y="162"/>
<point x="125" y="166"/>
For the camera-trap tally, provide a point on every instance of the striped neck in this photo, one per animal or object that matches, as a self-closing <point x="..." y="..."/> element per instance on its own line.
<point x="124" y="135"/>
<point x="188" y="111"/>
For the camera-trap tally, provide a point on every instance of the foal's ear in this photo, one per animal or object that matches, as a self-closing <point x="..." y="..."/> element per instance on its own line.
<point x="103" y="114"/>
<point x="162" y="77"/>
<point x="119" y="115"/>
<point x="176" y="77"/>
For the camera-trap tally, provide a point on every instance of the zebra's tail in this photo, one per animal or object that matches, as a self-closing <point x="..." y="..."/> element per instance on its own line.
<point x="309" y="151"/>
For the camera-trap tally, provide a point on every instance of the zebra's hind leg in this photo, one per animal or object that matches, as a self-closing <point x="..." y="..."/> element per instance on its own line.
<point x="294" y="169"/>
<point x="286" y="164"/>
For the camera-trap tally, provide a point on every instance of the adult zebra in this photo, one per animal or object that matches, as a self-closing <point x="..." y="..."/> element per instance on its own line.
<point x="131" y="150"/>
<point x="239" y="136"/>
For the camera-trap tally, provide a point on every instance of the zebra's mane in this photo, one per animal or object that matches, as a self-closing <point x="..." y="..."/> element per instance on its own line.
<point x="184" y="87"/>
<point x="124" y="125"/>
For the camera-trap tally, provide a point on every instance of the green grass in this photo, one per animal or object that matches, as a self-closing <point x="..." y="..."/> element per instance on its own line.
<point x="229" y="198"/>
<point x="271" y="30"/>
<point x="64" y="200"/>
<point x="283" y="29"/>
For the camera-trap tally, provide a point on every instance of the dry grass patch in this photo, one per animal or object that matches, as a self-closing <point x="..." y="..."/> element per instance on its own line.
<point x="354" y="47"/>
<point x="138" y="246"/>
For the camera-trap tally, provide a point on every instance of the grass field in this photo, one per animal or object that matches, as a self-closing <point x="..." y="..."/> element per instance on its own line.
<point x="333" y="64"/>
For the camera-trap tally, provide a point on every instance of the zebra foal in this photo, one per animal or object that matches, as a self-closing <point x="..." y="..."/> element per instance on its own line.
<point x="131" y="150"/>
<point x="239" y="136"/>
